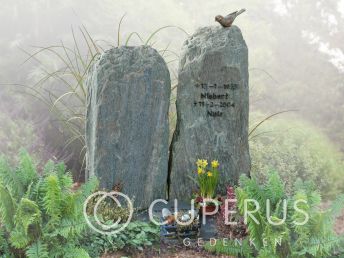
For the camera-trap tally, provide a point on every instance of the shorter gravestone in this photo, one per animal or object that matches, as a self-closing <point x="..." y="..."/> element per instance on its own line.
<point x="127" y="127"/>
<point x="212" y="108"/>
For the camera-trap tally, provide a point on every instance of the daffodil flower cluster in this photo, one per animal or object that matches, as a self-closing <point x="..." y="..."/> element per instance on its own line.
<point x="207" y="178"/>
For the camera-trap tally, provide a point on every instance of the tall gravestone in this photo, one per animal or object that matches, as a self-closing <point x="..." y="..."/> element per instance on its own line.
<point x="212" y="108"/>
<point x="127" y="127"/>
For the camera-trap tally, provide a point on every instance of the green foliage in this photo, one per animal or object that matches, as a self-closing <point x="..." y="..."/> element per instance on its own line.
<point x="207" y="177"/>
<point x="137" y="235"/>
<point x="7" y="207"/>
<point x="231" y="247"/>
<point x="37" y="250"/>
<point x="315" y="238"/>
<point x="40" y="215"/>
<point x="297" y="150"/>
<point x="4" y="244"/>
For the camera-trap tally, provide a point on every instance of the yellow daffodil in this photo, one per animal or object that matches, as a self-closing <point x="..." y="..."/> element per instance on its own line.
<point x="215" y="164"/>
<point x="207" y="177"/>
<point x="203" y="163"/>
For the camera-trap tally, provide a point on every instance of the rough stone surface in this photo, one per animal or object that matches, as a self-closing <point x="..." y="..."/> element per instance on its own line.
<point x="127" y="125"/>
<point x="214" y="61"/>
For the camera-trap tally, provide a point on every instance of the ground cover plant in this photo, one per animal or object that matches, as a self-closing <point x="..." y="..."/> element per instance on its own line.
<point x="135" y="237"/>
<point x="41" y="215"/>
<point x="316" y="238"/>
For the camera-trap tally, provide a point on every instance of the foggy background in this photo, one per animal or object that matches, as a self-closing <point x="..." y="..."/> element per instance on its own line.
<point x="296" y="58"/>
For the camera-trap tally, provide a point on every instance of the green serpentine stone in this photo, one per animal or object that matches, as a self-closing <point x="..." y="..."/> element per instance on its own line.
<point x="127" y="127"/>
<point x="212" y="108"/>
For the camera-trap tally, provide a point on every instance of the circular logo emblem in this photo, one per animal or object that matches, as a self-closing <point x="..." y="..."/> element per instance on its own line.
<point x="97" y="224"/>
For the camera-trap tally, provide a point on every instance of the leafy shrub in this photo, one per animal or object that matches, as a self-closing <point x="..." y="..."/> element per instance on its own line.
<point x="316" y="238"/>
<point x="297" y="149"/>
<point x="137" y="235"/>
<point x="40" y="215"/>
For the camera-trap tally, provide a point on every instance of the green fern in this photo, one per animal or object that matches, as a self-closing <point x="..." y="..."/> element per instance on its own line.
<point x="37" y="250"/>
<point x="314" y="239"/>
<point x="28" y="217"/>
<point x="26" y="171"/>
<point x="337" y="207"/>
<point x="18" y="240"/>
<point x="230" y="247"/>
<point x="274" y="189"/>
<point x="49" y="168"/>
<point x="52" y="196"/>
<point x="88" y="188"/>
<point x="4" y="245"/>
<point x="66" y="181"/>
<point x="76" y="252"/>
<point x="7" y="207"/>
<point x="44" y="217"/>
<point x="10" y="179"/>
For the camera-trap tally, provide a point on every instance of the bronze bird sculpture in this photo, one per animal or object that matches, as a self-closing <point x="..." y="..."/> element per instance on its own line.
<point x="228" y="20"/>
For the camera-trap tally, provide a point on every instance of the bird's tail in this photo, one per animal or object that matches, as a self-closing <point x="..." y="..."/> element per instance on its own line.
<point x="240" y="12"/>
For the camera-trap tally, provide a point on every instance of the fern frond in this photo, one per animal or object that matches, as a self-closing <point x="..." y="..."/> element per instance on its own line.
<point x="69" y="207"/>
<point x="28" y="214"/>
<point x="37" y="190"/>
<point x="321" y="246"/>
<point x="265" y="253"/>
<point x="37" y="250"/>
<point x="66" y="181"/>
<point x="274" y="189"/>
<point x="27" y="170"/>
<point x="60" y="169"/>
<point x="70" y="228"/>
<point x="89" y="187"/>
<point x="230" y="247"/>
<point x="52" y="196"/>
<point x="4" y="245"/>
<point x="49" y="168"/>
<point x="10" y="179"/>
<point x="28" y="192"/>
<point x="256" y="230"/>
<point x="67" y="250"/>
<point x="76" y="252"/>
<point x="7" y="207"/>
<point x="337" y="206"/>
<point x="253" y="190"/>
<point x="18" y="239"/>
